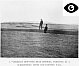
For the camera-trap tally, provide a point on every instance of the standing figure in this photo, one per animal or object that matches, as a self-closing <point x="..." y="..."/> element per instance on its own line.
<point x="45" y="29"/>
<point x="41" y="23"/>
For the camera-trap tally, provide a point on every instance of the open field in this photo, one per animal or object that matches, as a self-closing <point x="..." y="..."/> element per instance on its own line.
<point x="36" y="44"/>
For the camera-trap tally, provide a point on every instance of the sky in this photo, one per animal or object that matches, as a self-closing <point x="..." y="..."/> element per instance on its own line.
<point x="51" y="11"/>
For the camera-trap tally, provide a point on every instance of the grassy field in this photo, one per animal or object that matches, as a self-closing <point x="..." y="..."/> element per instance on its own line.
<point x="38" y="45"/>
<point x="26" y="41"/>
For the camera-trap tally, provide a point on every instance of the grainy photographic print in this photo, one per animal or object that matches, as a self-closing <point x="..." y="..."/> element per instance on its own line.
<point x="27" y="40"/>
<point x="37" y="29"/>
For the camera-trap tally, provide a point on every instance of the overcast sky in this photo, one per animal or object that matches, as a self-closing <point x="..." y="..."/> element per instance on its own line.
<point x="51" y="11"/>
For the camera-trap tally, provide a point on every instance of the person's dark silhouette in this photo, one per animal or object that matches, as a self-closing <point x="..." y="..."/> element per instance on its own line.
<point x="41" y="23"/>
<point x="45" y="29"/>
